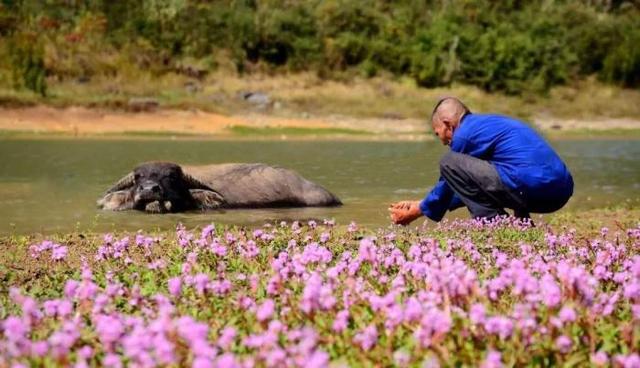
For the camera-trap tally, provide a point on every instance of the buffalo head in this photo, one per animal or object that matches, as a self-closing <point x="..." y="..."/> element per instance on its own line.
<point x="160" y="187"/>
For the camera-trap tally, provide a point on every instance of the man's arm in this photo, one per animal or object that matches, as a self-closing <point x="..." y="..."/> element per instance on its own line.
<point x="455" y="203"/>
<point x="438" y="201"/>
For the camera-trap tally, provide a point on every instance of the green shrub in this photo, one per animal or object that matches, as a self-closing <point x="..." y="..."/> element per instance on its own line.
<point x="27" y="62"/>
<point x="434" y="59"/>
<point x="505" y="46"/>
<point x="622" y="64"/>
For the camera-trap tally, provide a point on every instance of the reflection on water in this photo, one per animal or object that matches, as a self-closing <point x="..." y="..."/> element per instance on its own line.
<point x="52" y="185"/>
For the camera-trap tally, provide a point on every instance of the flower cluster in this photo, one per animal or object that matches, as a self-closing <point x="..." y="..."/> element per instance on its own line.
<point x="288" y="295"/>
<point x="58" y="251"/>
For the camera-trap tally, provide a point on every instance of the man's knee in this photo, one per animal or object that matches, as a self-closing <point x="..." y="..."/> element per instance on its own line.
<point x="450" y="162"/>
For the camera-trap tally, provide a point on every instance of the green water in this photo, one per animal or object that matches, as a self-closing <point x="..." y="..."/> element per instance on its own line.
<point x="52" y="185"/>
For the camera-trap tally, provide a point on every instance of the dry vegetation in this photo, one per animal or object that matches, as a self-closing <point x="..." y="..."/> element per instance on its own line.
<point x="391" y="106"/>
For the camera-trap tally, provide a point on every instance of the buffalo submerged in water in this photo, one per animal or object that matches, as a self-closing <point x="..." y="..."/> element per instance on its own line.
<point x="161" y="187"/>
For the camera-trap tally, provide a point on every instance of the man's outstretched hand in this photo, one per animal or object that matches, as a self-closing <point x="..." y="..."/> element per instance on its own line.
<point x="403" y="213"/>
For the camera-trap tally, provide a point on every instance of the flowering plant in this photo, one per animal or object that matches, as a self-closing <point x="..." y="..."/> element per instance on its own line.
<point x="285" y="295"/>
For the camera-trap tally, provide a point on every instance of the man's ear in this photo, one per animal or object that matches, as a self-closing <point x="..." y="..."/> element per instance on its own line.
<point x="207" y="199"/>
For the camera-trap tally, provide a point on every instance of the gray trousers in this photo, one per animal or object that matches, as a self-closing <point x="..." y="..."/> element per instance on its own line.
<point x="478" y="185"/>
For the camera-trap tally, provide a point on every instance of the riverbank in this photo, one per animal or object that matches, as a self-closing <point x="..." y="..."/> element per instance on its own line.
<point x="298" y="106"/>
<point x="85" y="122"/>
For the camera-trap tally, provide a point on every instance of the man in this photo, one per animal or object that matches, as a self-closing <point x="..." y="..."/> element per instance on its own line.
<point x="495" y="162"/>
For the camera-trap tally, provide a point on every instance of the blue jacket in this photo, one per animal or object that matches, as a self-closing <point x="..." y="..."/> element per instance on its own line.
<point x="524" y="160"/>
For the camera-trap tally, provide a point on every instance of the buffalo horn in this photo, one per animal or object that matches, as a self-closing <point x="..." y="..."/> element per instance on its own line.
<point x="193" y="183"/>
<point x="124" y="183"/>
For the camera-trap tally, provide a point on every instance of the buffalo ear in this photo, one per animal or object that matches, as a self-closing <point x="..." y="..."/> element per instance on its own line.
<point x="207" y="199"/>
<point x="124" y="183"/>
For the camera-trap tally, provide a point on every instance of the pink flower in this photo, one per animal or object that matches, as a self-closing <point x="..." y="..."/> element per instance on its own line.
<point x="39" y="348"/>
<point x="599" y="359"/>
<point x="367" y="250"/>
<point x="434" y="324"/>
<point x="635" y="311"/>
<point x="202" y="362"/>
<point x="15" y="328"/>
<point x="86" y="352"/>
<point x="477" y="313"/>
<point x="59" y="253"/>
<point x="109" y="329"/>
<point x="401" y="358"/>
<point x="563" y="344"/>
<point x="191" y="330"/>
<point x="227" y="360"/>
<point x="367" y="338"/>
<point x="567" y="314"/>
<point x="227" y="336"/>
<point x="311" y="293"/>
<point x="341" y="321"/>
<point x="70" y="288"/>
<point x="501" y="326"/>
<point x="318" y="359"/>
<point x="413" y="310"/>
<point x="201" y="282"/>
<point x="551" y="293"/>
<point x="352" y="228"/>
<point x="628" y="361"/>
<point x="276" y="358"/>
<point x="265" y="310"/>
<point x="493" y="360"/>
<point x="50" y="307"/>
<point x="175" y="286"/>
<point x="111" y="361"/>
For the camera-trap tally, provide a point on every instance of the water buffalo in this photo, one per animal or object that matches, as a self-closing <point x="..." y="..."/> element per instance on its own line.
<point x="161" y="187"/>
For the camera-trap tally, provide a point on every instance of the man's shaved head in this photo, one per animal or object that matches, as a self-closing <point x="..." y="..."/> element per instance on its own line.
<point x="446" y="117"/>
<point x="449" y="110"/>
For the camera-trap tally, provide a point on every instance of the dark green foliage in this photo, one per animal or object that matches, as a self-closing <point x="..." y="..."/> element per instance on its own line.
<point x="508" y="46"/>
<point x="622" y="63"/>
<point x="434" y="59"/>
<point x="27" y="61"/>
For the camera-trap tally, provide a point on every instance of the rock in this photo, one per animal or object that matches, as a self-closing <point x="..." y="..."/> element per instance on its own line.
<point x="192" y="71"/>
<point x="84" y="79"/>
<point x="257" y="99"/>
<point x="393" y="115"/>
<point x="192" y="87"/>
<point x="138" y="104"/>
<point x="217" y="97"/>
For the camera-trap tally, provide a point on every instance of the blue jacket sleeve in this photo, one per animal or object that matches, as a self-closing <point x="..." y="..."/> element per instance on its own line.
<point x="455" y="203"/>
<point x="438" y="201"/>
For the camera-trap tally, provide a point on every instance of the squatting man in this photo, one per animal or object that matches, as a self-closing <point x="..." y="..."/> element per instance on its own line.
<point x="494" y="162"/>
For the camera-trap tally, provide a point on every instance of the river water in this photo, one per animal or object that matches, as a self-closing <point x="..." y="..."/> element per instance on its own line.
<point x="51" y="185"/>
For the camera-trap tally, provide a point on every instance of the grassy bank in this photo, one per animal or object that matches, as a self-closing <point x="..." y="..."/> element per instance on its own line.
<point x="291" y="294"/>
<point x="248" y="133"/>
<point x="305" y="94"/>
<point x="303" y="105"/>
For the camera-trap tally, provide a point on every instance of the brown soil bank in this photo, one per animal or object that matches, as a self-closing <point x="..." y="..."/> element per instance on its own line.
<point x="80" y="121"/>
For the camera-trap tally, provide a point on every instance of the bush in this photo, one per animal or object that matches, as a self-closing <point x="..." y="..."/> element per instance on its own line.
<point x="622" y="64"/>
<point x="508" y="46"/>
<point x="27" y="62"/>
<point x="434" y="53"/>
